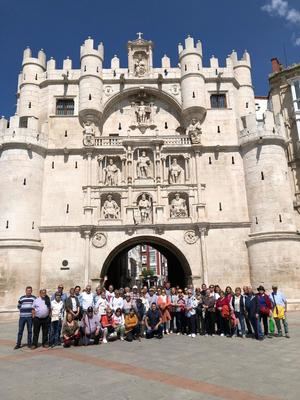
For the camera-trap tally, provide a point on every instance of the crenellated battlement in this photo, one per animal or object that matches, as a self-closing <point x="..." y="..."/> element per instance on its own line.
<point x="189" y="47"/>
<point x="40" y="60"/>
<point x="87" y="49"/>
<point x="252" y="131"/>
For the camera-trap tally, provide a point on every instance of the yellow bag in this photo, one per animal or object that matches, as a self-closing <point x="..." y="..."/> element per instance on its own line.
<point x="278" y="312"/>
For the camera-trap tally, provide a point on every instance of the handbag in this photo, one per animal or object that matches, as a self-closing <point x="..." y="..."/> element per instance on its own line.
<point x="264" y="310"/>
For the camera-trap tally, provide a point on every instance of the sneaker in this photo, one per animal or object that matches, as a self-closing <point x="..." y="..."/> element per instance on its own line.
<point x="171" y="331"/>
<point x="178" y="334"/>
<point x="206" y="334"/>
<point x="122" y="338"/>
<point x="17" y="346"/>
<point x="193" y="335"/>
<point x="104" y="341"/>
<point x="213" y="334"/>
<point x="190" y="335"/>
<point x="222" y="334"/>
<point x="287" y="336"/>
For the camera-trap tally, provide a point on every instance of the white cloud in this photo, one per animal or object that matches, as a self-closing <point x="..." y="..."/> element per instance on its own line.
<point x="281" y="8"/>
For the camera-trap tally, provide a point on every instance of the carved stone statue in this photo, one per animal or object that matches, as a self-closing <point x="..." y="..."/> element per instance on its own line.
<point x="175" y="171"/>
<point x="111" y="172"/>
<point x="143" y="165"/>
<point x="194" y="131"/>
<point x="139" y="67"/>
<point x="110" y="208"/>
<point x="178" y="207"/>
<point x="145" y="209"/>
<point x="143" y="113"/>
<point x="89" y="134"/>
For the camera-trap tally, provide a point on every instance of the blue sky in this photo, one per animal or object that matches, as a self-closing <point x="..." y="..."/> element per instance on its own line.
<point x="263" y="27"/>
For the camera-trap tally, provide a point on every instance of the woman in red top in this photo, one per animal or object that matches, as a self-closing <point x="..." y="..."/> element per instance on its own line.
<point x="223" y="307"/>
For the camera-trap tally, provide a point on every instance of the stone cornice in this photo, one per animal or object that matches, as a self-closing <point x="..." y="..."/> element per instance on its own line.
<point x="24" y="243"/>
<point x="153" y="227"/>
<point x="271" y="236"/>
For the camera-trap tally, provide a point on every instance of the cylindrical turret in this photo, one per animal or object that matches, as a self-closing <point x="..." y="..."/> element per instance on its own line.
<point x="273" y="245"/>
<point x="266" y="172"/>
<point x="242" y="73"/>
<point x="91" y="82"/>
<point x="21" y="181"/>
<point x="29" y="84"/>
<point x="192" y="81"/>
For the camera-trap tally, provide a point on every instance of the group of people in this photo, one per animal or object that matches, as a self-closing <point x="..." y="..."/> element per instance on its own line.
<point x="84" y="317"/>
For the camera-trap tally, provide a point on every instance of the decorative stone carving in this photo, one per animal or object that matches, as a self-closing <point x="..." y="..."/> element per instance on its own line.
<point x="89" y="134"/>
<point x="194" y="131"/>
<point x="190" y="237"/>
<point x="145" y="209"/>
<point x="111" y="173"/>
<point x="99" y="240"/>
<point x="178" y="208"/>
<point x="110" y="208"/>
<point x="143" y="165"/>
<point x="140" y="66"/>
<point x="143" y="116"/>
<point x="175" y="171"/>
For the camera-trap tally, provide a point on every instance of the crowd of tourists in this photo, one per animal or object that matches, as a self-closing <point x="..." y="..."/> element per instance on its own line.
<point x="83" y="317"/>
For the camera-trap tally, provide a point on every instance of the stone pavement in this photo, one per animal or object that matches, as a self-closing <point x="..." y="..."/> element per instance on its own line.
<point x="176" y="367"/>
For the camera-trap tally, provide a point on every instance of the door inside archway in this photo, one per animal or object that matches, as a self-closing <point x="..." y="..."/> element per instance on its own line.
<point x="128" y="264"/>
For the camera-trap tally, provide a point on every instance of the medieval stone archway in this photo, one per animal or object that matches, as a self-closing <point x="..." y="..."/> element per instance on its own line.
<point x="115" y="265"/>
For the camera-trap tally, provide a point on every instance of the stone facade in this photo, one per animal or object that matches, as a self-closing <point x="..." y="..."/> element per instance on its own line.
<point x="98" y="160"/>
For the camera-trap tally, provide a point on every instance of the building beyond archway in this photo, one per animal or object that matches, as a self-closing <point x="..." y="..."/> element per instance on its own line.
<point x="115" y="266"/>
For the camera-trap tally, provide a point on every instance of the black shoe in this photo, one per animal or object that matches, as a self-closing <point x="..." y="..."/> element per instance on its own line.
<point x="159" y="336"/>
<point x="17" y="346"/>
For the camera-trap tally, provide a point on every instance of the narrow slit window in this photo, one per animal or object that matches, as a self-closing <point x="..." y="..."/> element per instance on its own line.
<point x="97" y="69"/>
<point x="52" y="165"/>
<point x="185" y="67"/>
<point x="219" y="129"/>
<point x="24" y="182"/>
<point x="120" y="126"/>
<point x="36" y="77"/>
<point x="84" y="69"/>
<point x="32" y="225"/>
<point x="67" y="209"/>
<point x="256" y="220"/>
<point x="66" y="133"/>
<point x="220" y="206"/>
<point x="247" y="105"/>
<point x="194" y="95"/>
<point x="166" y="125"/>
<point x="209" y="160"/>
<point x="232" y="160"/>
<point x="280" y="219"/>
<point x="90" y="97"/>
<point x="29" y="104"/>
<point x="262" y="176"/>
<point x="76" y="165"/>
<point x="7" y="224"/>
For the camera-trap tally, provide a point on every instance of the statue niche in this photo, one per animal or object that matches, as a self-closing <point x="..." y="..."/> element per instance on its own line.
<point x="144" y="165"/>
<point x="109" y="170"/>
<point x="89" y="132"/>
<point x="140" y="62"/>
<point x="143" y="214"/>
<point x="110" y="206"/>
<point x="175" y="170"/>
<point x="178" y="205"/>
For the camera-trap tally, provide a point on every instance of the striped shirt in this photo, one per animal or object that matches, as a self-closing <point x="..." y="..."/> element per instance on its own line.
<point x="25" y="305"/>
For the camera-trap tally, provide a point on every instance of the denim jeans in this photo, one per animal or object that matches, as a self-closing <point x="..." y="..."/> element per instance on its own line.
<point x="240" y="328"/>
<point x="22" y="322"/>
<point x="256" y="327"/>
<point x="55" y="332"/>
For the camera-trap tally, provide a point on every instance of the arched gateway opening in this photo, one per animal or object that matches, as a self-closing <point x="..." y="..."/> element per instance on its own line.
<point x="115" y="266"/>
